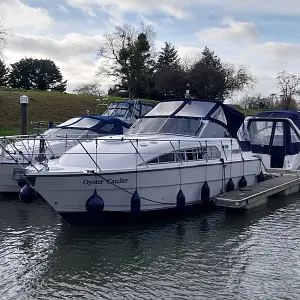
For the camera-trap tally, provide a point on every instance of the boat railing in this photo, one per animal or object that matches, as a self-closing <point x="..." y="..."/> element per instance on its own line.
<point x="25" y="151"/>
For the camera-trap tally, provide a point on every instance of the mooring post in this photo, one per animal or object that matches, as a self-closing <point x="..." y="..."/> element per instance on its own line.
<point x="24" y="114"/>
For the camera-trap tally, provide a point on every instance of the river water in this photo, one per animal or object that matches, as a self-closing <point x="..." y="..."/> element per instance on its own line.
<point x="211" y="256"/>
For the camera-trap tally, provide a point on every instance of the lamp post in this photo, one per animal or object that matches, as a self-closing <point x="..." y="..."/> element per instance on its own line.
<point x="24" y="114"/>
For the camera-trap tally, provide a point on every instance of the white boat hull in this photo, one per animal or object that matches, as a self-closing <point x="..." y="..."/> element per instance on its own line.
<point x="157" y="188"/>
<point x="7" y="183"/>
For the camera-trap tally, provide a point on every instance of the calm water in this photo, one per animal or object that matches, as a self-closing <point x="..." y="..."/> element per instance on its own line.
<point x="211" y="256"/>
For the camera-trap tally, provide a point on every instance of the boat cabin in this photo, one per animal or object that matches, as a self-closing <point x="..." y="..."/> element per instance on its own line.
<point x="190" y="117"/>
<point x="275" y="136"/>
<point x="88" y="127"/>
<point x="128" y="110"/>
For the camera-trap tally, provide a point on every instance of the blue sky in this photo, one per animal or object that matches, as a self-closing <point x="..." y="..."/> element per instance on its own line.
<point x="263" y="37"/>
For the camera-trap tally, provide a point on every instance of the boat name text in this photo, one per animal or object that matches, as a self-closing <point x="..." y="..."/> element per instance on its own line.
<point x="109" y="181"/>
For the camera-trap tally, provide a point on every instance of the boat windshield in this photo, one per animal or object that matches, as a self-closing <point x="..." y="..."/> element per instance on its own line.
<point x="119" y="110"/>
<point x="176" y="126"/>
<point x="68" y="132"/>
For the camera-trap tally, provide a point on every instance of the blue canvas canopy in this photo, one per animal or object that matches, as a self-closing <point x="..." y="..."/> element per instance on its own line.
<point x="290" y="114"/>
<point x="200" y="109"/>
<point x="98" y="124"/>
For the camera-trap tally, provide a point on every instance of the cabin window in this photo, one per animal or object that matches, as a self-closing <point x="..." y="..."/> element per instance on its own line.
<point x="183" y="126"/>
<point x="278" y="134"/>
<point x="209" y="152"/>
<point x="213" y="152"/>
<point x="219" y="115"/>
<point x="192" y="154"/>
<point x="196" y="109"/>
<point x="294" y="136"/>
<point x="260" y="132"/>
<point x="85" y="123"/>
<point x="170" y="157"/>
<point x="165" y="108"/>
<point x="107" y="127"/>
<point x="153" y="161"/>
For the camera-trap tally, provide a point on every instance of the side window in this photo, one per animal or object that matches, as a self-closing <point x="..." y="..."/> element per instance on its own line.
<point x="170" y="157"/>
<point x="192" y="154"/>
<point x="107" y="127"/>
<point x="294" y="137"/>
<point x="153" y="161"/>
<point x="213" y="152"/>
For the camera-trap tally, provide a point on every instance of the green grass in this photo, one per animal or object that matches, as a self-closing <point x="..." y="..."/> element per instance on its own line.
<point x="50" y="106"/>
<point x="45" y="106"/>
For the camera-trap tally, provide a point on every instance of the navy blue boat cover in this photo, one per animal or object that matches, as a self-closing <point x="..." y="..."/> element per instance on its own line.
<point x="290" y="114"/>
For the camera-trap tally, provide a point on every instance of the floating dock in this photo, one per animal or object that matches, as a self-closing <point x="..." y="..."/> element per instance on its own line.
<point x="256" y="195"/>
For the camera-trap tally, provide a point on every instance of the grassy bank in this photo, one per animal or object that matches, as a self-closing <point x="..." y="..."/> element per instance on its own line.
<point x="44" y="106"/>
<point x="48" y="106"/>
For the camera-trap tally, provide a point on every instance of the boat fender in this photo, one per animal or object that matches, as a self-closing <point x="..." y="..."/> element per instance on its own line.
<point x="21" y="183"/>
<point x="242" y="182"/>
<point x="135" y="204"/>
<point x="205" y="192"/>
<point x="261" y="177"/>
<point x="94" y="204"/>
<point x="27" y="194"/>
<point x="230" y="185"/>
<point x="180" y="203"/>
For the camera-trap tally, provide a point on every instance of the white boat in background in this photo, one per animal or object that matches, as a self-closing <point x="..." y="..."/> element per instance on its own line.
<point x="274" y="136"/>
<point x="173" y="160"/>
<point x="17" y="152"/>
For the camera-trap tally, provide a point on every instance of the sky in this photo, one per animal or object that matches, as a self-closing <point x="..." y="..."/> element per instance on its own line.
<point x="263" y="36"/>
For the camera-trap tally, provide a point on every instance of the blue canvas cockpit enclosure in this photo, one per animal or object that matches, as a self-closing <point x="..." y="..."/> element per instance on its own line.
<point x="198" y="109"/>
<point x="91" y="125"/>
<point x="275" y="133"/>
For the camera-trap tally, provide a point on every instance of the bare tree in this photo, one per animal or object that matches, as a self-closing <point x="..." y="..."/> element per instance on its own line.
<point x="256" y="101"/>
<point x="5" y="34"/>
<point x="238" y="79"/>
<point x="92" y="89"/>
<point x="289" y="86"/>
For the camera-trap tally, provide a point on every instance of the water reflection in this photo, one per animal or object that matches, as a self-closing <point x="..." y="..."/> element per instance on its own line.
<point x="210" y="256"/>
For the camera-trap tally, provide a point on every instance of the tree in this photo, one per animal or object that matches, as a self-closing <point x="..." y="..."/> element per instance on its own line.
<point x="168" y="57"/>
<point x="170" y="77"/>
<point x="289" y="86"/>
<point x="4" y="71"/>
<point x="4" y="35"/>
<point x="210" y="78"/>
<point x="88" y="89"/>
<point x="36" y="74"/>
<point x="257" y="102"/>
<point x="128" y="55"/>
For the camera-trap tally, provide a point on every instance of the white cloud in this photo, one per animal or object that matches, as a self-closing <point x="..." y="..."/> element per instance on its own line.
<point x="62" y="8"/>
<point x="169" y="7"/>
<point x="179" y="7"/>
<point x="234" y="31"/>
<point x="74" y="54"/>
<point x="20" y="17"/>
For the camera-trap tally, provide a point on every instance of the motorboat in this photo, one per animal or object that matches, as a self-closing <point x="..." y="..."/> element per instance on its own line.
<point x="171" y="161"/>
<point x="17" y="152"/>
<point x="274" y="136"/>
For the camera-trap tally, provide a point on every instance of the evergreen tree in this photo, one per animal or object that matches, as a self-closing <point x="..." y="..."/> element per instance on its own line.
<point x="168" y="57"/>
<point x="130" y="52"/>
<point x="4" y="71"/>
<point x="210" y="78"/>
